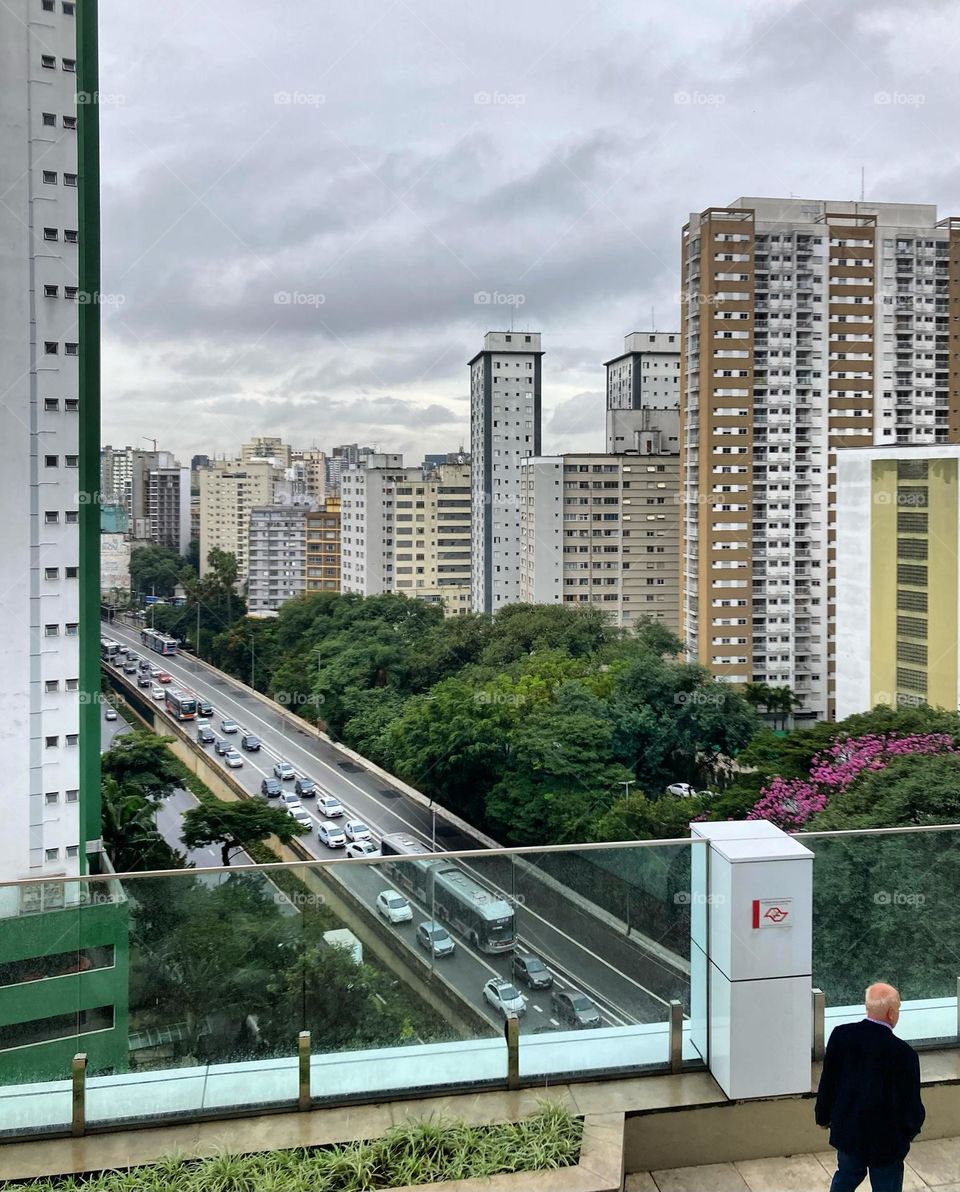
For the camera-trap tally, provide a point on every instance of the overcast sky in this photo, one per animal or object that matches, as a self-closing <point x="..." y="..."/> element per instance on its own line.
<point x="302" y="202"/>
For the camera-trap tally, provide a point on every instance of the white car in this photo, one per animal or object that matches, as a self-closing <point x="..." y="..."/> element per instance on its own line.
<point x="156" y="691"/>
<point x="362" y="848"/>
<point x="505" y="997"/>
<point x="110" y="714"/>
<point x="229" y="726"/>
<point x="289" y="800"/>
<point x="155" y="672"/>
<point x="331" y="834"/>
<point x="394" y="907"/>
<point x="329" y="806"/>
<point x="356" y="830"/>
<point x="301" y="815"/>
<point x="283" y="770"/>
<point x="683" y="789"/>
<point x="233" y="759"/>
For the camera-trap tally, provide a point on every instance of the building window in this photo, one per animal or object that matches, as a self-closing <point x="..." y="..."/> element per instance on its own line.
<point x="72" y="517"/>
<point x="51" y="572"/>
<point x="50" y="234"/>
<point x="50" y="177"/>
<point x="47" y="5"/>
<point x="73" y="796"/>
<point x="71" y="349"/>
<point x="51" y="630"/>
<point x="73" y="684"/>
<point x="51" y="347"/>
<point x="72" y="738"/>
<point x="51" y="461"/>
<point x="48" y="62"/>
<point x="70" y="235"/>
<point x="70" y="122"/>
<point x="72" y="628"/>
<point x="49" y="120"/>
<point x="70" y="292"/>
<point x="71" y="572"/>
<point x="51" y="291"/>
<point x="51" y="404"/>
<point x="69" y="180"/>
<point x="52" y="685"/>
<point x="69" y="64"/>
<point x="52" y="742"/>
<point x="51" y="854"/>
<point x="72" y="850"/>
<point x="71" y="404"/>
<point x="69" y="8"/>
<point x="52" y="798"/>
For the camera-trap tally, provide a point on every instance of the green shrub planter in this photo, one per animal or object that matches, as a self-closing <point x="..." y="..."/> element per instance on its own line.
<point x="417" y="1153"/>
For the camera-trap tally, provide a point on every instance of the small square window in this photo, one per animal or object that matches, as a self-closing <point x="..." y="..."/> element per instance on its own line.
<point x="70" y="235"/>
<point x="51" y="404"/>
<point x="51" y="291"/>
<point x="72" y="850"/>
<point x="72" y="517"/>
<point x="69" y="64"/>
<point x="51" y="854"/>
<point x="49" y="120"/>
<point x="71" y="629"/>
<point x="68" y="8"/>
<point x="52" y="742"/>
<point x="47" y="5"/>
<point x="70" y="292"/>
<point x="51" y="461"/>
<point x="51" y="630"/>
<point x="72" y="738"/>
<point x="51" y="517"/>
<point x="71" y="572"/>
<point x="51" y="572"/>
<point x="69" y="179"/>
<point x="73" y="796"/>
<point x="71" y="349"/>
<point x="71" y="404"/>
<point x="51" y="347"/>
<point x="52" y="685"/>
<point x="51" y="798"/>
<point x="70" y="122"/>
<point x="73" y="684"/>
<point x="50" y="177"/>
<point x="50" y="234"/>
<point x="71" y="461"/>
<point x="48" y="62"/>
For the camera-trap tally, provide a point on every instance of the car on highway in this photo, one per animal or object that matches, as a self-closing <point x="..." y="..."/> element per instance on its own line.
<point x="302" y="816"/>
<point x="362" y="848"/>
<point x="283" y="770"/>
<point x="305" y="786"/>
<point x="505" y="997"/>
<point x="233" y="759"/>
<point x="270" y="788"/>
<point x="129" y="668"/>
<point x="121" y="649"/>
<point x="331" y="834"/>
<point x="574" y="1009"/>
<point x="204" y="707"/>
<point x="356" y="830"/>
<point x="289" y="799"/>
<point x="164" y="677"/>
<point x="205" y="735"/>
<point x="144" y="665"/>
<point x="531" y="970"/>
<point x="156" y="691"/>
<point x="144" y="680"/>
<point x="118" y="661"/>
<point x="131" y="657"/>
<point x="110" y="714"/>
<point x="220" y="745"/>
<point x="434" y="936"/>
<point x="229" y="726"/>
<point x="329" y="806"/>
<point x="394" y="907"/>
<point x="251" y="743"/>
<point x="155" y="672"/>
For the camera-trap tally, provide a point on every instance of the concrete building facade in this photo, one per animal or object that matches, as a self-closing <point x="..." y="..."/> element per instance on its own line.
<point x="809" y="327"/>
<point x="277" y="556"/>
<point x="228" y="491"/>
<point x="898" y="584"/>
<point x="270" y="447"/>
<point x="505" y="397"/>
<point x="323" y="547"/>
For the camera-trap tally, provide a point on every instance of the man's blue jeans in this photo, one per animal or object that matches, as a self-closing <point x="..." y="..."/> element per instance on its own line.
<point x="851" y="1172"/>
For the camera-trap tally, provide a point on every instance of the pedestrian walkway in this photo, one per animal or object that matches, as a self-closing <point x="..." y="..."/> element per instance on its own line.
<point x="934" y="1164"/>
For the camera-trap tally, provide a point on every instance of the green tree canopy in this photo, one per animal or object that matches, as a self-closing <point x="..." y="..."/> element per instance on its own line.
<point x="155" y="570"/>
<point x="230" y="826"/>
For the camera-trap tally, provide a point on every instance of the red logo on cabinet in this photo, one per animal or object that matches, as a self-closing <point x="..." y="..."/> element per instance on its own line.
<point x="771" y="912"/>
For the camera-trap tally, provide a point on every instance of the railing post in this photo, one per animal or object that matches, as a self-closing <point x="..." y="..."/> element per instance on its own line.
<point x="676" y="1036"/>
<point x="958" y="1007"/>
<point x="511" y="1032"/>
<point x="78" y="1075"/>
<point x="819" y="1016"/>
<point x="303" y="1063"/>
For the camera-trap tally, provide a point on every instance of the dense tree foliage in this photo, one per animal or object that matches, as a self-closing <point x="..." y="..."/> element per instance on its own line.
<point x="155" y="570"/>
<point x="229" y="826"/>
<point x="138" y="773"/>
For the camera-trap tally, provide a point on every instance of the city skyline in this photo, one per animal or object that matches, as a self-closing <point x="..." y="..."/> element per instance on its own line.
<point x="544" y="167"/>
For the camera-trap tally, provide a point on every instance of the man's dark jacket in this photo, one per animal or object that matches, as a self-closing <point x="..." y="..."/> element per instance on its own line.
<point x="869" y="1093"/>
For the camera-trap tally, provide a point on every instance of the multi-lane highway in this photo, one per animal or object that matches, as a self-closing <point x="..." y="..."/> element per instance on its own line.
<point x="629" y="984"/>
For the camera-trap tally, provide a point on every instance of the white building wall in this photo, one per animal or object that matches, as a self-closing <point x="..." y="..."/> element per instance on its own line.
<point x="39" y="534"/>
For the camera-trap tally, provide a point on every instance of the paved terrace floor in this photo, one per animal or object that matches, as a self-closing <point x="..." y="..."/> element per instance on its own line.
<point x="934" y="1164"/>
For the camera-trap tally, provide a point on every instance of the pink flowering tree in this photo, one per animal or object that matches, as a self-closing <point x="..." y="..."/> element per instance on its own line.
<point x="791" y="802"/>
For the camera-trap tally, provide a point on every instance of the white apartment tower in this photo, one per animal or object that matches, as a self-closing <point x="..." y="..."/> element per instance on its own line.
<point x="643" y="385"/>
<point x="808" y="327"/>
<point x="278" y="555"/>
<point x="367" y="527"/>
<point x="229" y="489"/>
<point x="39" y="427"/>
<point x="505" y="395"/>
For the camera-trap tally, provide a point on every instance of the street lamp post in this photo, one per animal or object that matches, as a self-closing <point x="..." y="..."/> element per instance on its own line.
<point x="626" y="784"/>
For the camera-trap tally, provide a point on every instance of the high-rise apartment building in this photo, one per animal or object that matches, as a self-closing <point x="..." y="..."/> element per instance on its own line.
<point x="808" y="327"/>
<point x="323" y="547"/>
<point x="277" y="558"/>
<point x="153" y="489"/>
<point x="167" y="506"/>
<point x="643" y="392"/>
<point x="402" y="532"/>
<point x="50" y="543"/>
<point x="898" y="582"/>
<point x="228" y="491"/>
<point x="311" y="469"/>
<point x="270" y="447"/>
<point x="505" y="394"/>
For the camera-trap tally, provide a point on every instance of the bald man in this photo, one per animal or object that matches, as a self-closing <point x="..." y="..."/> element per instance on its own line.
<point x="869" y="1096"/>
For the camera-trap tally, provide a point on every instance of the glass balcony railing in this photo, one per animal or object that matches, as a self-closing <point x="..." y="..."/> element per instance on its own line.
<point x="204" y="992"/>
